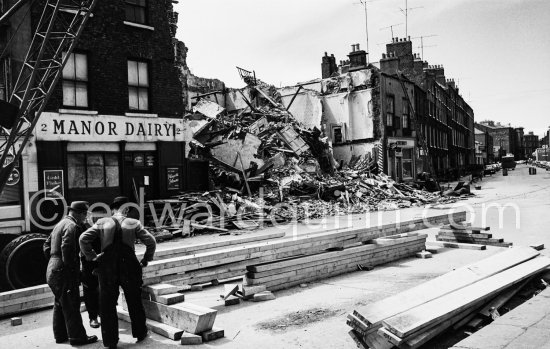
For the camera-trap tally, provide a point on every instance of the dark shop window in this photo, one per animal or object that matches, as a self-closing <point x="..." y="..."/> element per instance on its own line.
<point x="93" y="170"/>
<point x="136" y="11"/>
<point x="11" y="195"/>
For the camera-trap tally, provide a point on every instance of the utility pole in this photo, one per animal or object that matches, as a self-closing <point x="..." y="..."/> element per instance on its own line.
<point x="406" y="13"/>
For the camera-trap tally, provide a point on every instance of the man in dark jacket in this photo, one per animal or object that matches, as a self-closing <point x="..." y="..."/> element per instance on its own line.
<point x="62" y="275"/>
<point x="119" y="266"/>
<point x="90" y="284"/>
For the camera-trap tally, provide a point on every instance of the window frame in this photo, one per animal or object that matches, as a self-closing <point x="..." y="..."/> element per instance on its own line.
<point x="390" y="115"/>
<point x="405" y="115"/>
<point x="135" y="7"/>
<point x="76" y="81"/>
<point x="86" y="182"/>
<point x="138" y="86"/>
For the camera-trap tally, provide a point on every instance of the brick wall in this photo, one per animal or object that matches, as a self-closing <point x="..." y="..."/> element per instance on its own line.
<point x="109" y="43"/>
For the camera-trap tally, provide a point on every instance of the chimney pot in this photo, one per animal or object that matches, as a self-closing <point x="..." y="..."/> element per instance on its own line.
<point x="409" y="38"/>
<point x="383" y="56"/>
<point x="352" y="48"/>
<point x="357" y="46"/>
<point x="326" y="54"/>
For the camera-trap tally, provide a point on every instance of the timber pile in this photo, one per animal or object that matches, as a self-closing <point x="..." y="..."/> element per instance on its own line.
<point x="413" y="317"/>
<point x="25" y="299"/>
<point x="470" y="235"/>
<point x="231" y="262"/>
<point x="293" y="271"/>
<point x="168" y="315"/>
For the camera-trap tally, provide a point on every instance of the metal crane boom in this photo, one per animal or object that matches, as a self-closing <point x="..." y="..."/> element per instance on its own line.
<point x="57" y="33"/>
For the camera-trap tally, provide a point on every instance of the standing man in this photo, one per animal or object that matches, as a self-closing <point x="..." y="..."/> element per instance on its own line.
<point x="62" y="275"/>
<point x="90" y="284"/>
<point x="119" y="266"/>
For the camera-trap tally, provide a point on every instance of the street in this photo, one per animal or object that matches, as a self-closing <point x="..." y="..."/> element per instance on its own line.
<point x="314" y="316"/>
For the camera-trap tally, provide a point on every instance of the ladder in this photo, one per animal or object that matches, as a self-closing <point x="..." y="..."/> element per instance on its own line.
<point x="57" y="32"/>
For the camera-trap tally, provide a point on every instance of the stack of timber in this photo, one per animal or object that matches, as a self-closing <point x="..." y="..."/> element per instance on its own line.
<point x="293" y="271"/>
<point x="470" y="235"/>
<point x="170" y="316"/>
<point x="413" y="317"/>
<point x="231" y="262"/>
<point x="25" y="299"/>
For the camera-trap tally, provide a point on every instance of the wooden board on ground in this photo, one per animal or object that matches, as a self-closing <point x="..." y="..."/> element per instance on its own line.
<point x="155" y="326"/>
<point x="373" y="314"/>
<point x="447" y="306"/>
<point x="457" y="245"/>
<point x="186" y="316"/>
<point x="453" y="233"/>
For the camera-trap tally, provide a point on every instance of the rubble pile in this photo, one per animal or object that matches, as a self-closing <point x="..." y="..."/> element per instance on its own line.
<point x="269" y="168"/>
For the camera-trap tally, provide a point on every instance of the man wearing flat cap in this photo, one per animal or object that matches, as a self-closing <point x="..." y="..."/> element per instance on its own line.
<point x="119" y="266"/>
<point x="62" y="275"/>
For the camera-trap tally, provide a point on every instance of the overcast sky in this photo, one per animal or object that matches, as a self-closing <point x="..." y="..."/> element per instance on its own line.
<point x="498" y="51"/>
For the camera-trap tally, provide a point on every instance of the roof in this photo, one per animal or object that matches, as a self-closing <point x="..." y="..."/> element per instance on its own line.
<point x="478" y="131"/>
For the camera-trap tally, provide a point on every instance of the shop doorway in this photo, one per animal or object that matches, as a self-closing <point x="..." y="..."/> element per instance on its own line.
<point x="140" y="170"/>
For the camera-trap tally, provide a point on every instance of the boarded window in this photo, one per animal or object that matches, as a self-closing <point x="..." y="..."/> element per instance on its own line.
<point x="76" y="170"/>
<point x="92" y="170"/>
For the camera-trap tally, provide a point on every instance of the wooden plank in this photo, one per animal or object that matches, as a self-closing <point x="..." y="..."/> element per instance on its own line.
<point x="502" y="298"/>
<point x="374" y="313"/>
<point x="186" y="316"/>
<point x="160" y="289"/>
<point x="360" y="258"/>
<point x="451" y="233"/>
<point x="465" y="227"/>
<point x="24" y="292"/>
<point x="424" y="337"/>
<point x="470" y="238"/>
<point x="537" y="247"/>
<point x="192" y="249"/>
<point x="309" y="240"/>
<point x="330" y="272"/>
<point x="166" y="299"/>
<point x="457" y="245"/>
<point x="155" y="326"/>
<point x="444" y="307"/>
<point x="358" y="340"/>
<point x="298" y="262"/>
<point x="19" y="308"/>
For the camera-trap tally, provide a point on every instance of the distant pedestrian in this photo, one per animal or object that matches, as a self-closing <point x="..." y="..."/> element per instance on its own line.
<point x="119" y="266"/>
<point x="62" y="275"/>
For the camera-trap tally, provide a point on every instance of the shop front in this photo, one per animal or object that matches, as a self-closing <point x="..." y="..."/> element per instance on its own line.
<point x="401" y="158"/>
<point x="96" y="158"/>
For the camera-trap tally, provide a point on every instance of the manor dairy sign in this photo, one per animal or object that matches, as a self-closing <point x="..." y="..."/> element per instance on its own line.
<point x="107" y="128"/>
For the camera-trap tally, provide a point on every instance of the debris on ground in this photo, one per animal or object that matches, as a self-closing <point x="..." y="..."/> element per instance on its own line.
<point x="298" y="319"/>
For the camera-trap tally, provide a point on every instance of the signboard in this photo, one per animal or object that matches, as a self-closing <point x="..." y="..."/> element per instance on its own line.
<point x="14" y="177"/>
<point x="173" y="178"/>
<point x="108" y="128"/>
<point x="53" y="184"/>
<point x="139" y="160"/>
<point x="150" y="160"/>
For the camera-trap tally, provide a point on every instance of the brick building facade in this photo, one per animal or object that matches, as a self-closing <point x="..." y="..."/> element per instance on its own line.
<point x="448" y="121"/>
<point x="504" y="138"/>
<point x="531" y="144"/>
<point x="113" y="125"/>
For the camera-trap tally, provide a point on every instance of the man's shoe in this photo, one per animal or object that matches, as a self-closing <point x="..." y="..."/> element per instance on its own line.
<point x="62" y="340"/>
<point x="83" y="341"/>
<point x="94" y="323"/>
<point x="142" y="337"/>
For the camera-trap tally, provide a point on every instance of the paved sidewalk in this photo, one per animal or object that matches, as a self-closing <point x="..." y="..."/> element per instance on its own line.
<point x="525" y="327"/>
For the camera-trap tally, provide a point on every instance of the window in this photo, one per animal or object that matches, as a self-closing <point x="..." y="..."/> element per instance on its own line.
<point x="337" y="136"/>
<point x="92" y="170"/>
<point x="406" y="113"/>
<point x="75" y="81"/>
<point x="407" y="163"/>
<point x="136" y="11"/>
<point x="390" y="110"/>
<point x="11" y="195"/>
<point x="138" y="85"/>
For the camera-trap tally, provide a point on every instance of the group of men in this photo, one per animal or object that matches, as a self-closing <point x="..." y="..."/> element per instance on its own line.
<point x="107" y="255"/>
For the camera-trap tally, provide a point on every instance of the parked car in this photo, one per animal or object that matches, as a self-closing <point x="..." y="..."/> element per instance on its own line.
<point x="489" y="170"/>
